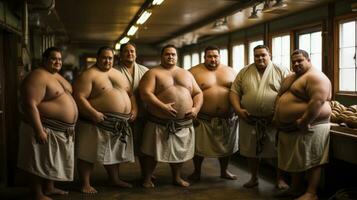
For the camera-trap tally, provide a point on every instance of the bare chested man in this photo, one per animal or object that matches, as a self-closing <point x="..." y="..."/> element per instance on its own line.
<point x="46" y="147"/>
<point x="173" y="99"/>
<point x="106" y="104"/>
<point x="253" y="95"/>
<point x="302" y="114"/>
<point x="216" y="126"/>
<point x="133" y="73"/>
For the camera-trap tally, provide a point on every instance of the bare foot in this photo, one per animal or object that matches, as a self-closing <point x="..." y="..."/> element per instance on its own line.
<point x="153" y="177"/>
<point x="55" y="191"/>
<point x="148" y="184"/>
<point x="308" y="196"/>
<point x="281" y="185"/>
<point x="194" y="176"/>
<point x="122" y="184"/>
<point x="88" y="190"/>
<point x="228" y="175"/>
<point x="180" y="182"/>
<point x="251" y="183"/>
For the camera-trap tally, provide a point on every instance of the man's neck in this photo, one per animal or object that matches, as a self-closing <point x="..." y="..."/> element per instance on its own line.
<point x="129" y="64"/>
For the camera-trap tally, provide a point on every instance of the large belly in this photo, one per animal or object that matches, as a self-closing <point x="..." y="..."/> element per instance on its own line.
<point x="114" y="100"/>
<point x="180" y="96"/>
<point x="216" y="101"/>
<point x="290" y="108"/>
<point x="61" y="108"/>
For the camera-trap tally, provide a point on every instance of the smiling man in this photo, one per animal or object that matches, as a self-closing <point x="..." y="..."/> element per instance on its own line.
<point x="302" y="115"/>
<point x="253" y="95"/>
<point x="173" y="99"/>
<point x="216" y="126"/>
<point x="46" y="140"/>
<point x="106" y="105"/>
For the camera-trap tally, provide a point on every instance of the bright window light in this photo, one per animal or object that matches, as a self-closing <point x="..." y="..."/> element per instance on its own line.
<point x="117" y="46"/>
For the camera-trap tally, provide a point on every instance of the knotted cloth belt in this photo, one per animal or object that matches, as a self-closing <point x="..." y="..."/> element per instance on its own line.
<point x="117" y="125"/>
<point x="260" y="124"/>
<point x="207" y="117"/>
<point x="171" y="125"/>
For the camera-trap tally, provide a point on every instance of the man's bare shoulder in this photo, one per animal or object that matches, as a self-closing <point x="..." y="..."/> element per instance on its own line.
<point x="197" y="69"/>
<point x="317" y="76"/>
<point x="37" y="75"/>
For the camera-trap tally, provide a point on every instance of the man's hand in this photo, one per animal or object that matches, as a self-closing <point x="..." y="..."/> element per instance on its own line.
<point x="244" y="114"/>
<point x="41" y="138"/>
<point x="192" y="114"/>
<point x="133" y="115"/>
<point x="170" y="110"/>
<point x="302" y="125"/>
<point x="98" y="117"/>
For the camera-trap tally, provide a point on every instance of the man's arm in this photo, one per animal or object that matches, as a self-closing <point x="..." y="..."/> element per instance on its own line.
<point x="82" y="89"/>
<point x="197" y="98"/>
<point x="318" y="89"/>
<point x="33" y="92"/>
<point x="235" y="98"/>
<point x="147" y="88"/>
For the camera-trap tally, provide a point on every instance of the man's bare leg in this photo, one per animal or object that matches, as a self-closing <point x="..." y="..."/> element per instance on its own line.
<point x="280" y="182"/>
<point x="313" y="175"/>
<point x="36" y="187"/>
<point x="253" y="164"/>
<point x="50" y="189"/>
<point x="295" y="189"/>
<point x="224" y="161"/>
<point x="149" y="167"/>
<point x="176" y="175"/>
<point x="197" y="163"/>
<point x="113" y="175"/>
<point x="84" y="171"/>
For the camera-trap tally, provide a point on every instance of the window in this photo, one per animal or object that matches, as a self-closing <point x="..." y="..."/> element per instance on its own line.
<point x="202" y="56"/>
<point x="347" y="57"/>
<point x="312" y="44"/>
<point x="251" y="47"/>
<point x="281" y="50"/>
<point x="224" y="56"/>
<point x="238" y="57"/>
<point x="187" y="62"/>
<point x="195" y="59"/>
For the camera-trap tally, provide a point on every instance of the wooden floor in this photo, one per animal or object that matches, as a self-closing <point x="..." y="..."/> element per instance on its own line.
<point x="211" y="186"/>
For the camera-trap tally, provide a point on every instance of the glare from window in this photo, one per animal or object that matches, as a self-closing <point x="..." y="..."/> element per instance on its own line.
<point x="187" y="62"/>
<point x="224" y="56"/>
<point x="312" y="44"/>
<point x="347" y="57"/>
<point x="238" y="57"/>
<point x="195" y="59"/>
<point x="202" y="56"/>
<point x="281" y="51"/>
<point x="251" y="47"/>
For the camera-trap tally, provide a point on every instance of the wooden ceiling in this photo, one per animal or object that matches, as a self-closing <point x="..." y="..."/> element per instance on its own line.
<point x="93" y="22"/>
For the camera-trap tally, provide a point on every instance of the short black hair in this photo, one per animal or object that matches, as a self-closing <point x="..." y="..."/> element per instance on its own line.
<point x="302" y="52"/>
<point x="168" y="46"/>
<point x="261" y="46"/>
<point x="122" y="47"/>
<point x="47" y="52"/>
<point x="212" y="47"/>
<point x="104" y="48"/>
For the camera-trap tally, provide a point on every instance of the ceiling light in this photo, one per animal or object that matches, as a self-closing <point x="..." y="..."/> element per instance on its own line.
<point x="145" y="16"/>
<point x="267" y="6"/>
<point x="124" y="40"/>
<point x="157" y="2"/>
<point x="220" y="24"/>
<point x="254" y="14"/>
<point x="280" y="4"/>
<point x="132" y="30"/>
<point x="117" y="46"/>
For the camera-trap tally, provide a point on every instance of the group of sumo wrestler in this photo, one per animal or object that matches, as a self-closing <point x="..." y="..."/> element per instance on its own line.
<point x="172" y="115"/>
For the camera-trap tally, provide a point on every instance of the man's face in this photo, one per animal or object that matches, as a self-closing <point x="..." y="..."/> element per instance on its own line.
<point x="169" y="57"/>
<point x="128" y="54"/>
<point x="54" y="62"/>
<point x="212" y="59"/>
<point x="105" y="60"/>
<point x="261" y="58"/>
<point x="300" y="64"/>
